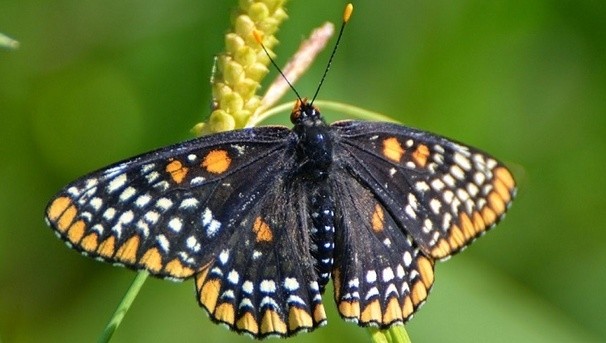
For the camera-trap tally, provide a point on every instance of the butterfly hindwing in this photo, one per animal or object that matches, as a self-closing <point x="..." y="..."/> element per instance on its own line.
<point x="380" y="277"/>
<point x="263" y="281"/>
<point x="167" y="211"/>
<point x="442" y="193"/>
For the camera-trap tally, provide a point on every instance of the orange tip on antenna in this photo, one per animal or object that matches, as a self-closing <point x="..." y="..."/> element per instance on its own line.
<point x="258" y="36"/>
<point x="347" y="12"/>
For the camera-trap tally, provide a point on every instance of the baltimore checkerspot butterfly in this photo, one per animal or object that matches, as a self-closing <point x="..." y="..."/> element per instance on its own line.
<point x="262" y="218"/>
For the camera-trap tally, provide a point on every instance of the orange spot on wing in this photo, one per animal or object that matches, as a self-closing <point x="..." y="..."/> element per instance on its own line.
<point x="488" y="215"/>
<point x="225" y="313"/>
<point x="349" y="309"/>
<point x="271" y="323"/>
<point x="152" y="260"/>
<point x="67" y="218"/>
<point x="76" y="231"/>
<point x="262" y="230"/>
<point x="177" y="269"/>
<point x="107" y="247"/>
<point x="201" y="276"/>
<point x="467" y="226"/>
<point x="319" y="313"/>
<point x="247" y="322"/>
<point x="478" y="222"/>
<point x="456" y="237"/>
<point x="425" y="267"/>
<point x="128" y="251"/>
<point x="392" y="149"/>
<point x="419" y="293"/>
<point x="57" y="207"/>
<point x="407" y="308"/>
<point x="392" y="312"/>
<point x="441" y="249"/>
<point x="505" y="176"/>
<point x="421" y="154"/>
<point x="496" y="203"/>
<point x="209" y="293"/>
<point x="177" y="171"/>
<point x="503" y="191"/>
<point x="298" y="318"/>
<point x="378" y="219"/>
<point x="90" y="242"/>
<point x="371" y="313"/>
<point x="216" y="161"/>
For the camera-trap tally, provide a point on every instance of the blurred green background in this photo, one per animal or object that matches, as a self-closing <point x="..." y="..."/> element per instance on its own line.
<point x="98" y="81"/>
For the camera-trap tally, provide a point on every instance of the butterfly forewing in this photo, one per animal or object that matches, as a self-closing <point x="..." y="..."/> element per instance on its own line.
<point x="443" y="194"/>
<point x="165" y="211"/>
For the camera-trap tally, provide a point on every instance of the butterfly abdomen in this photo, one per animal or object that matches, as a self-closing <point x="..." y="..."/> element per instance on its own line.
<point x="322" y="232"/>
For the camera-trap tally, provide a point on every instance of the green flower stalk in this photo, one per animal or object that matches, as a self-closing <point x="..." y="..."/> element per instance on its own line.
<point x="243" y="64"/>
<point x="7" y="42"/>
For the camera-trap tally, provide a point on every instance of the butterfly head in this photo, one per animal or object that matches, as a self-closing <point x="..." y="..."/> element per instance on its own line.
<point x="306" y="114"/>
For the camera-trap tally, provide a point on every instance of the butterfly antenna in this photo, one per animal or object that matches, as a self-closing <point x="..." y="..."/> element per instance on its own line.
<point x="346" y="15"/>
<point x="259" y="40"/>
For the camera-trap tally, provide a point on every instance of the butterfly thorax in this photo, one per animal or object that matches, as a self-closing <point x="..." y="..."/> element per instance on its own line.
<point x="314" y="142"/>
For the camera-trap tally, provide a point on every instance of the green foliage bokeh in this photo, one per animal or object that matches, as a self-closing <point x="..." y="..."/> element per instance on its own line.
<point x="94" y="82"/>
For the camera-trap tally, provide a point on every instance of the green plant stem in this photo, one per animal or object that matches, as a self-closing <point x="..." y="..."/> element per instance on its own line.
<point x="7" y="42"/>
<point x="396" y="334"/>
<point x="353" y="111"/>
<point x="123" y="307"/>
<point x="340" y="107"/>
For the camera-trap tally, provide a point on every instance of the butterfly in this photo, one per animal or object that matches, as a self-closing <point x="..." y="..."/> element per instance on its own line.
<point x="263" y="218"/>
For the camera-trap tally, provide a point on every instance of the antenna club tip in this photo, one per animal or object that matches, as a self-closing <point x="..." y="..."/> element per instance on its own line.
<point x="258" y="36"/>
<point x="348" y="11"/>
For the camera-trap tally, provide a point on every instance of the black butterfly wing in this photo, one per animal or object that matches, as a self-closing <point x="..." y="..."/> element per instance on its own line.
<point x="405" y="198"/>
<point x="215" y="207"/>
<point x="444" y="194"/>
<point x="380" y="275"/>
<point x="263" y="281"/>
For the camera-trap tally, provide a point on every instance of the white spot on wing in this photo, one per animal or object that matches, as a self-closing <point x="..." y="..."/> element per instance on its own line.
<point x="109" y="213"/>
<point x="127" y="193"/>
<point x="189" y="202"/>
<point x="371" y="276"/>
<point x="163" y="242"/>
<point x="175" y="224"/>
<point x="462" y="161"/>
<point x="267" y="286"/>
<point x="247" y="287"/>
<point x="388" y="274"/>
<point x="142" y="200"/>
<point x="153" y="176"/>
<point x="233" y="277"/>
<point x="212" y="225"/>
<point x="192" y="244"/>
<point x="198" y="180"/>
<point x="422" y="186"/>
<point x="372" y="292"/>
<point x="437" y="184"/>
<point x="291" y="284"/>
<point x="224" y="256"/>
<point x="164" y="203"/>
<point x="116" y="183"/>
<point x="96" y="203"/>
<point x="152" y="217"/>
<point x="435" y="205"/>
